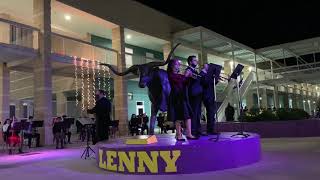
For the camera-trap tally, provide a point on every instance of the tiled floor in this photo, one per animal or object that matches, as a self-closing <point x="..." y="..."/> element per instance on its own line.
<point x="283" y="158"/>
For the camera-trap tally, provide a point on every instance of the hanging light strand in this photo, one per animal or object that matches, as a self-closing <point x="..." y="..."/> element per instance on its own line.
<point x="93" y="66"/>
<point x="76" y="79"/>
<point x="104" y="77"/>
<point x="109" y="83"/>
<point x="99" y="75"/>
<point x="82" y="85"/>
<point x="88" y="84"/>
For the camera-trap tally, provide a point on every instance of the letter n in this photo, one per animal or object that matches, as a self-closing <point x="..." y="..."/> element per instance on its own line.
<point x="151" y="163"/>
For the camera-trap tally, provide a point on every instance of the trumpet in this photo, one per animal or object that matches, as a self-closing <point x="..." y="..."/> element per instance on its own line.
<point x="222" y="78"/>
<point x="194" y="75"/>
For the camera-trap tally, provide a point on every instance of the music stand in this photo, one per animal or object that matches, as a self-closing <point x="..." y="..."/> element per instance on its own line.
<point x="214" y="72"/>
<point x="235" y="74"/>
<point x="36" y="124"/>
<point x="88" y="151"/>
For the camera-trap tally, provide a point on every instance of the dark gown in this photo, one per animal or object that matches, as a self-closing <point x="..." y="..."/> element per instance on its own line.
<point x="178" y="107"/>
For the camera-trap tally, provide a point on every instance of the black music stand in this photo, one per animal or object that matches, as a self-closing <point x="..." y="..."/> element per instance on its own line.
<point x="36" y="124"/>
<point x="235" y="74"/>
<point x="88" y="151"/>
<point x="24" y="125"/>
<point x="214" y="72"/>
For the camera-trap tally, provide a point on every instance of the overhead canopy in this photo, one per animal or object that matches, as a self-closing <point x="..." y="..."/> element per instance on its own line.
<point x="293" y="49"/>
<point x="201" y="38"/>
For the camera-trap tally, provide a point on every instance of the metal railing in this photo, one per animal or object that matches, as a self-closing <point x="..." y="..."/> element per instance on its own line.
<point x="19" y="35"/>
<point x="68" y="46"/>
<point x="228" y="94"/>
<point x="297" y="68"/>
<point x="132" y="59"/>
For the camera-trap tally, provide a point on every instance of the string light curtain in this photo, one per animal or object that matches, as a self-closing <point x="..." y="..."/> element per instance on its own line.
<point x="82" y="80"/>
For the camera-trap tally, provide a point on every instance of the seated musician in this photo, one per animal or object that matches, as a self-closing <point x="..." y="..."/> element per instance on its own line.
<point x="144" y="119"/>
<point x="5" y="132"/>
<point x="58" y="132"/>
<point x="160" y="120"/>
<point x="31" y="133"/>
<point x="13" y="136"/>
<point x="67" y="123"/>
<point x="134" y="125"/>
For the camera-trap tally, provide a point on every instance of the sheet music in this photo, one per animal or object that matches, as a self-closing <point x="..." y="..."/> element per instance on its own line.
<point x="85" y="121"/>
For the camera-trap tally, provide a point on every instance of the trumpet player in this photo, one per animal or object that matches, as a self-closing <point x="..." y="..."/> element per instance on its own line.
<point x="195" y="95"/>
<point x="208" y="98"/>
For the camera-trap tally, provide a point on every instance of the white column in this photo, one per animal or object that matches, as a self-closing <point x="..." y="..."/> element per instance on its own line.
<point x="264" y="100"/>
<point x="43" y="70"/>
<point x="61" y="104"/>
<point x="120" y="82"/>
<point x="276" y="97"/>
<point x="4" y="92"/>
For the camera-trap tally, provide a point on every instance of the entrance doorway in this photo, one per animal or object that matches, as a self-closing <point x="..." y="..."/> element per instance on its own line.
<point x="140" y="107"/>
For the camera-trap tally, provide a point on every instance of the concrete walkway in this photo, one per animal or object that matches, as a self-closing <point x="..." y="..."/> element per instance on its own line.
<point x="282" y="159"/>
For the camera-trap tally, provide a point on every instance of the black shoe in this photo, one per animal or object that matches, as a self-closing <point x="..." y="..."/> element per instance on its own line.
<point x="196" y="134"/>
<point x="193" y="138"/>
<point x="213" y="133"/>
<point x="10" y="151"/>
<point x="180" y="139"/>
<point x="57" y="147"/>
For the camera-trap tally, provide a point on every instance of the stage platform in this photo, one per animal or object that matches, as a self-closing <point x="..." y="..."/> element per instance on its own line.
<point x="169" y="156"/>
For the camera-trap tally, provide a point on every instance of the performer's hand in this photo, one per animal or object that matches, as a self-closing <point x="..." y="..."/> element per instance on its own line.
<point x="205" y="68"/>
<point x="188" y="73"/>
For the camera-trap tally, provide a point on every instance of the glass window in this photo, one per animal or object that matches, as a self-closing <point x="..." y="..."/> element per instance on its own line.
<point x="129" y="53"/>
<point x="149" y="57"/>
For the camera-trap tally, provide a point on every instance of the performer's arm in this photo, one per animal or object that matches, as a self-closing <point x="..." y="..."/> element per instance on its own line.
<point x="109" y="106"/>
<point x="205" y="80"/>
<point x="109" y="109"/>
<point x="188" y="73"/>
<point x="93" y="110"/>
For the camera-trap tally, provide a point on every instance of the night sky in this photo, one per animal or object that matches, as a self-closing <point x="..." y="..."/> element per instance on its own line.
<point x="254" y="23"/>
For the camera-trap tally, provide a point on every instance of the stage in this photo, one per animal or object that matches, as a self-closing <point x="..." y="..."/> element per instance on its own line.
<point x="168" y="156"/>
